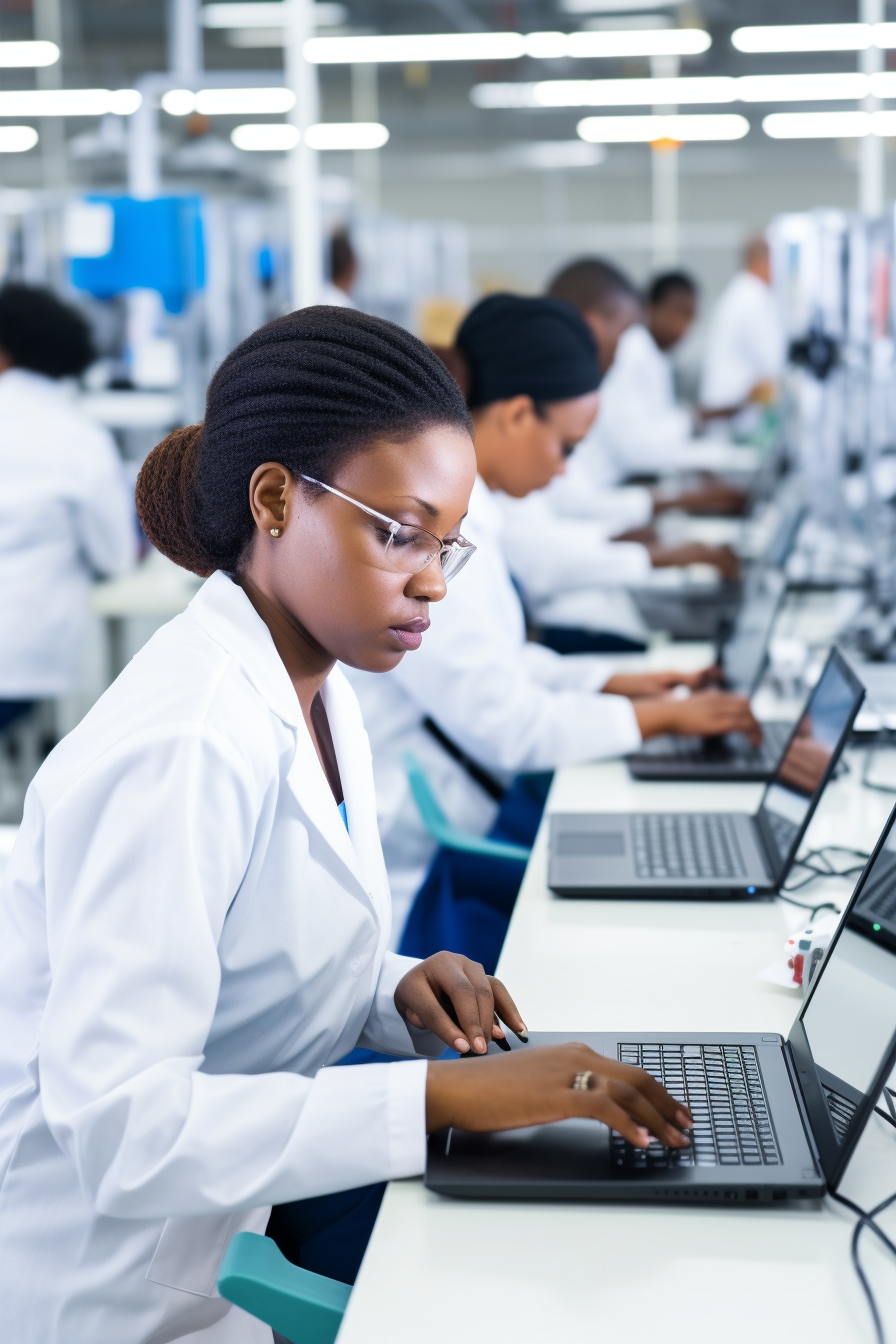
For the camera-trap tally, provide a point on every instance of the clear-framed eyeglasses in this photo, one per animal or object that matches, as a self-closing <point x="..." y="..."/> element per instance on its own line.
<point x="407" y="547"/>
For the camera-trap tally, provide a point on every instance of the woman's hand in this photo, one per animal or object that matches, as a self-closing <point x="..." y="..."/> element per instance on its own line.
<point x="535" y="1087"/>
<point x="707" y="714"/>
<point x="637" y="684"/>
<point x="453" y="997"/>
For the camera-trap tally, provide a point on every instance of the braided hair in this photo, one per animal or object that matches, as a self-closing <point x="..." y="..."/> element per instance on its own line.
<point x="309" y="390"/>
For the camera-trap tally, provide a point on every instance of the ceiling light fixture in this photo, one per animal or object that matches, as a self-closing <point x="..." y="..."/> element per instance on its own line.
<point x="68" y="102"/>
<point x="632" y="130"/>
<point x="267" y="14"/>
<point x="815" y="37"/>
<point x="17" y="139"/>
<point x="28" y="55"/>
<point x="816" y="125"/>
<point x="258" y="135"/>
<point x="346" y="135"/>
<point x="688" y="90"/>
<point x="429" y="48"/>
<point x="228" y="102"/>
<point x="802" y="88"/>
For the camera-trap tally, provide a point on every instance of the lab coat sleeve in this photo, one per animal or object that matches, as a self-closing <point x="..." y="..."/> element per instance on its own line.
<point x="386" y="1029"/>
<point x="144" y="855"/>
<point x="105" y="515"/>
<point x="484" y="696"/>
<point x="548" y="555"/>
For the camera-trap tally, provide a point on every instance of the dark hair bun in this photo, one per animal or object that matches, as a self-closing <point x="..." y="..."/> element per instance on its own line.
<point x="165" y="500"/>
<point x="309" y="391"/>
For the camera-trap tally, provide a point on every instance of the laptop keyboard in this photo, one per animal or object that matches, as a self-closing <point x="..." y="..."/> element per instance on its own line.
<point x="730" y="749"/>
<point x="722" y="1085"/>
<point x="682" y="844"/>
<point x="842" y="1112"/>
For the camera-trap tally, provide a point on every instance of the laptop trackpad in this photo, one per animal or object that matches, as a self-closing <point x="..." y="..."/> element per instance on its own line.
<point x="570" y="1150"/>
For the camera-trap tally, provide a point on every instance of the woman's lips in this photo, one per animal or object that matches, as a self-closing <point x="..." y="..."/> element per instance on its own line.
<point x="410" y="635"/>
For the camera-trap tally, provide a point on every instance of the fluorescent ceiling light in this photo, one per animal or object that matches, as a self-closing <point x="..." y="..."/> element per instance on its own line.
<point x="228" y="102"/>
<point x="265" y="14"/>
<point x="68" y="102"/>
<point x="883" y="85"/>
<point x="815" y="37"/>
<point x="802" y="88"/>
<point x="31" y="55"/>
<point x="17" y="139"/>
<point x="883" y="123"/>
<point x="816" y="125"/>
<point x="346" y="135"/>
<point x="258" y="135"/>
<point x="804" y="37"/>
<point x="426" y="48"/>
<point x="640" y="42"/>
<point x="620" y="130"/>
<point x="615" y="6"/>
<point x="606" y="92"/>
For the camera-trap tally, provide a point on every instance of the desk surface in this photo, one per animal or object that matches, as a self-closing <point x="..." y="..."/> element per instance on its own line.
<point x="446" y="1269"/>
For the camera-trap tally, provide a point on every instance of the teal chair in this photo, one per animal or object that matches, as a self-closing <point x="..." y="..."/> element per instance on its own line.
<point x="441" y="829"/>
<point x="306" y="1308"/>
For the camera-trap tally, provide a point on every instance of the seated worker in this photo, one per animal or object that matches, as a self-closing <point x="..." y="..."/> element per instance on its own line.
<point x="572" y="581"/>
<point x="66" y="508"/>
<point x="195" y="917"/>
<point x="640" y="428"/>
<point x="744" y="354"/>
<point x="529" y="365"/>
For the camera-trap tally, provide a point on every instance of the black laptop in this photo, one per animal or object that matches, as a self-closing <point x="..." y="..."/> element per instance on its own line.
<point x="742" y="658"/>
<point x="773" y="1119"/>
<point x="713" y="854"/>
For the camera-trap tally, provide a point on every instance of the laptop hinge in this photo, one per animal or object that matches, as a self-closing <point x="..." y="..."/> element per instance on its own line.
<point x="793" y="1074"/>
<point x="759" y="826"/>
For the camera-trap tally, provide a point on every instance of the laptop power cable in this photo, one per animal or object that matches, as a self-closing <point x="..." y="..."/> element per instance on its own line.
<point x="868" y="1219"/>
<point x="817" y="864"/>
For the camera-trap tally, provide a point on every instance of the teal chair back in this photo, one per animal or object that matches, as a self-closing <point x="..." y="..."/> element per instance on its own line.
<point x="306" y="1308"/>
<point x="441" y="829"/>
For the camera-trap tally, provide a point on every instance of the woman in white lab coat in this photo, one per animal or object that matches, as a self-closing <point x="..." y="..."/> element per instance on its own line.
<point x="509" y="704"/>
<point x="66" y="510"/>
<point x="195" y="916"/>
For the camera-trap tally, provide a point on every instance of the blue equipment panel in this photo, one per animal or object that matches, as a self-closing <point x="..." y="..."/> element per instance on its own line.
<point x="156" y="244"/>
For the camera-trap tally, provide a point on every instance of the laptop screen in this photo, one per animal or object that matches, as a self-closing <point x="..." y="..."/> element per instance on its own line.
<point x="850" y="1017"/>
<point x="743" y="656"/>
<point x="812" y="752"/>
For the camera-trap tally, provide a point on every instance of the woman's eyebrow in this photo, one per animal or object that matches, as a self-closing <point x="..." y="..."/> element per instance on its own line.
<point x="428" y="508"/>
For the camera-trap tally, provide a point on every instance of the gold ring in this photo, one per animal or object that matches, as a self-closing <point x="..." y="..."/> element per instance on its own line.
<point x="582" y="1081"/>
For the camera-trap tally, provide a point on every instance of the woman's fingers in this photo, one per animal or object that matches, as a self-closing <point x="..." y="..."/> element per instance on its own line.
<point x="640" y="1113"/>
<point x="467" y="987"/>
<point x="506" y="1009"/>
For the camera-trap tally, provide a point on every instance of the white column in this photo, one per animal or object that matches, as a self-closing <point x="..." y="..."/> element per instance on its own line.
<point x="304" y="207"/>
<point x="871" y="148"/>
<point x="664" y="179"/>
<point x="185" y="55"/>
<point x="144" y="179"/>
<point x="366" y="107"/>
<point x="48" y="28"/>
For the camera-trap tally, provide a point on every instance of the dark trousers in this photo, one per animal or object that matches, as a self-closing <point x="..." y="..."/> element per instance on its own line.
<point x="10" y="710"/>
<point x="328" y="1234"/>
<point x="570" y="639"/>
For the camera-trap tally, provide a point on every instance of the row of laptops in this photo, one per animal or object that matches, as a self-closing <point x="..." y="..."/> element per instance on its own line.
<point x="773" y="1119"/>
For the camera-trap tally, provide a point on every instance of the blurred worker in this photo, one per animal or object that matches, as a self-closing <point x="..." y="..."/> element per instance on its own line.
<point x="343" y="272"/>
<point x="744" y="347"/>
<point x="640" y="429"/>
<point x="66" y="510"/>
<point x="477" y="703"/>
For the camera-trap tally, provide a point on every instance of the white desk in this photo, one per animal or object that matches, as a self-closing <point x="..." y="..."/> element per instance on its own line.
<point x="442" y="1270"/>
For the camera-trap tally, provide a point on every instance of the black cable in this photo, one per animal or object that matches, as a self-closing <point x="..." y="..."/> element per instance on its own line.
<point x="868" y="1219"/>
<point x="826" y="869"/>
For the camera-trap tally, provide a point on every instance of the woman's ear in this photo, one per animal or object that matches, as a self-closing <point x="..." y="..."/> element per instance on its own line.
<point x="270" y="497"/>
<point x="516" y="414"/>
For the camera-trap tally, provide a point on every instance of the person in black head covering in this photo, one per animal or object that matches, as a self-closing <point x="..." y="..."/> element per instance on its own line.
<point x="478" y="702"/>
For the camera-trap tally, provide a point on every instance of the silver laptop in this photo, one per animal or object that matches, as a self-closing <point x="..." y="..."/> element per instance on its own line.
<point x="773" y="1119"/>
<point x="713" y="854"/>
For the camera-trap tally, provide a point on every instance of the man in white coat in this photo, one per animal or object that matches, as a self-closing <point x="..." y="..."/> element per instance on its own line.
<point x="744" y="355"/>
<point x="66" y="509"/>
<point x="505" y="702"/>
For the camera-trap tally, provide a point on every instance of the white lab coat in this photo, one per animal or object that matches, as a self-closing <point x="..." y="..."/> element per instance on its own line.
<point x="510" y="704"/>
<point x="744" y="344"/>
<point x="66" y="515"/>
<point x="569" y="570"/>
<point x="335" y="297"/>
<point x="187" y="936"/>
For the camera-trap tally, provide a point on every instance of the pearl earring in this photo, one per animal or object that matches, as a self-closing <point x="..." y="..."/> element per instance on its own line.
<point x="275" y="531"/>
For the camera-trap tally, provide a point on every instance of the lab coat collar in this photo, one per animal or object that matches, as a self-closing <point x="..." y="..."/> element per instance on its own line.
<point x="225" y="613"/>
<point x="37" y="384"/>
